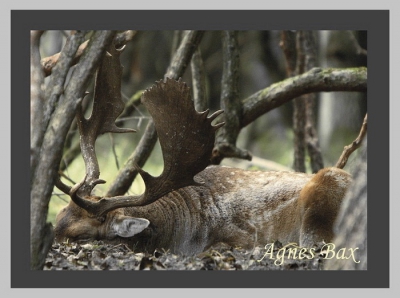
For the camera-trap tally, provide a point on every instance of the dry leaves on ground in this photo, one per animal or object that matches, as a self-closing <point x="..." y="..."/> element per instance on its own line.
<point x="101" y="256"/>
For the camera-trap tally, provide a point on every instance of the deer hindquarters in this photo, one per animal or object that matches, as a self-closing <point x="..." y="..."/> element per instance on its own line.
<point x="319" y="203"/>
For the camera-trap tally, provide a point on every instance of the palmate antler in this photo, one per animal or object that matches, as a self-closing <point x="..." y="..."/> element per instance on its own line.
<point x="186" y="137"/>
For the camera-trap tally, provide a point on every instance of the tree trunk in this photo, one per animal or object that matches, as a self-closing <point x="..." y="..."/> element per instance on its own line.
<point x="351" y="224"/>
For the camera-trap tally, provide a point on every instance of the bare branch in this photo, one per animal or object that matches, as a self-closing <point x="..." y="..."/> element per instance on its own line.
<point x="72" y="152"/>
<point x="299" y="110"/>
<point x="225" y="145"/>
<point x="49" y="63"/>
<point x="114" y="150"/>
<point x="176" y="41"/>
<point x="52" y="94"/>
<point x="66" y="177"/>
<point x="51" y="151"/>
<point x="184" y="54"/>
<point x="107" y="106"/>
<point x="138" y="158"/>
<point x="55" y="88"/>
<point x="128" y="172"/>
<point x="348" y="150"/>
<point x="299" y="124"/>
<point x="60" y="196"/>
<point x="314" y="80"/>
<point x="72" y="149"/>
<point x="312" y="142"/>
<point x="288" y="45"/>
<point x="131" y="105"/>
<point x="37" y="98"/>
<point x="198" y="82"/>
<point x="303" y="118"/>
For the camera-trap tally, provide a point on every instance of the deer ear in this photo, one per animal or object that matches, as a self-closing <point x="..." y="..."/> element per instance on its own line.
<point x="126" y="226"/>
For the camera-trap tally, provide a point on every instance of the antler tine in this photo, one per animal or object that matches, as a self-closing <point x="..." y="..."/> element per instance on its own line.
<point x="88" y="205"/>
<point x="186" y="136"/>
<point x="107" y="107"/>
<point x="213" y="116"/>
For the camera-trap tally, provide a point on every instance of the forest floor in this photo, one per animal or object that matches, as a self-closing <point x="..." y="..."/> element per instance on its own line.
<point x="101" y="256"/>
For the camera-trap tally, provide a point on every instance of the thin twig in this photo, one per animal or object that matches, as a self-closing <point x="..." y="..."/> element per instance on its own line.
<point x="140" y="118"/>
<point x="70" y="155"/>
<point x="348" y="150"/>
<point x="60" y="196"/>
<point x="131" y="105"/>
<point x="66" y="177"/>
<point x="113" y="150"/>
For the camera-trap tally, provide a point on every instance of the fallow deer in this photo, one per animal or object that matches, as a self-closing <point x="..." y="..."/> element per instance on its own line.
<point x="192" y="205"/>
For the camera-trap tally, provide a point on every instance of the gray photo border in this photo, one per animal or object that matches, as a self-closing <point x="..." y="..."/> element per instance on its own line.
<point x="377" y="275"/>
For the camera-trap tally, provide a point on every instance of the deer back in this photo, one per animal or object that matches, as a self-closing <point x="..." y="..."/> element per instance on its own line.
<point x="233" y="206"/>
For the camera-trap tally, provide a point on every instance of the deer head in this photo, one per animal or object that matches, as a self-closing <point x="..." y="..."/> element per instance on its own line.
<point x="179" y="127"/>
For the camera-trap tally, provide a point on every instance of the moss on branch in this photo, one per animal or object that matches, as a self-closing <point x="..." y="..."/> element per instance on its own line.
<point x="314" y="80"/>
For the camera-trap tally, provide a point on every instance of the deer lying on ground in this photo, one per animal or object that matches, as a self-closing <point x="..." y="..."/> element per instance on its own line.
<point x="192" y="206"/>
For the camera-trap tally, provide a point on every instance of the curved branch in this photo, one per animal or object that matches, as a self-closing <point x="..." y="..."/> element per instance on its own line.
<point x="314" y="80"/>
<point x="353" y="146"/>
